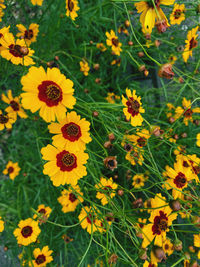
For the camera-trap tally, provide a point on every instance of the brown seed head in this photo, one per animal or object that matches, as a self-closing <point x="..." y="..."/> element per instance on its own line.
<point x="113" y="259"/>
<point x="165" y="71"/>
<point x="110" y="162"/>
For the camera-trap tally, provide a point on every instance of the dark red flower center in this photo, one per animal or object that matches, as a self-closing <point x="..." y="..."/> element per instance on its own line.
<point x="10" y="169"/>
<point x="115" y="41"/>
<point x="50" y="93"/>
<point x="18" y="50"/>
<point x="128" y="147"/>
<point x="193" y="43"/>
<point x="72" y="197"/>
<point x="70" y="5"/>
<point x="14" y="105"/>
<point x="42" y="211"/>
<point x="160" y="223"/>
<point x="71" y="131"/>
<point x="107" y="187"/>
<point x="133" y="106"/>
<point x="157" y="3"/>
<point x="3" y="119"/>
<point x="177" y="13"/>
<point x="141" y="141"/>
<point x="166" y="246"/>
<point x="188" y="113"/>
<point x="40" y="259"/>
<point x="185" y="164"/>
<point x="180" y="180"/>
<point x="27" y="231"/>
<point x="28" y="34"/>
<point x="138" y="181"/>
<point x="90" y="219"/>
<point x="151" y="265"/>
<point x="66" y="161"/>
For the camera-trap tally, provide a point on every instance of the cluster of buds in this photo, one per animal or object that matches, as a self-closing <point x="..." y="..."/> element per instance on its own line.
<point x="108" y="144"/>
<point x="143" y="69"/>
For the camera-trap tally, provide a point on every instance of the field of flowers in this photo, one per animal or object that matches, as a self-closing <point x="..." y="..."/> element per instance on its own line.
<point x="99" y="133"/>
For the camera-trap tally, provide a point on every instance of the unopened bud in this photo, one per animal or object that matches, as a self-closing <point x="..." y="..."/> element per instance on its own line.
<point x="175" y="205"/>
<point x="157" y="43"/>
<point x="142" y="68"/>
<point x="111" y="136"/>
<point x="184" y="135"/>
<point x="96" y="66"/>
<point x="159" y="254"/>
<point x="120" y="192"/>
<point x="130" y="43"/>
<point x="97" y="80"/>
<point x="127" y="23"/>
<point x="178" y="245"/>
<point x="107" y="144"/>
<point x="143" y="254"/>
<point x="140" y="54"/>
<point x="95" y="114"/>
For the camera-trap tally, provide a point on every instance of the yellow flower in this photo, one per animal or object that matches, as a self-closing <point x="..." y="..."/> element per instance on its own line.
<point x="84" y="67"/>
<point x="12" y="169"/>
<point x="135" y="156"/>
<point x="6" y="120"/>
<point x="191" y="43"/>
<point x="70" y="198"/>
<point x="3" y="31"/>
<point x="172" y="60"/>
<point x="150" y="14"/>
<point x="160" y="220"/>
<point x="2" y="6"/>
<point x="44" y="213"/>
<point x="42" y="257"/>
<point x="72" y="8"/>
<point x="198" y="140"/>
<point x="37" y="2"/>
<point x="16" y="51"/>
<point x="27" y="232"/>
<point x="30" y="34"/>
<point x="197" y="240"/>
<point x="116" y="62"/>
<point x="149" y="264"/>
<point x="113" y="41"/>
<point x="101" y="47"/>
<point x="14" y="105"/>
<point x="88" y="219"/>
<point x="178" y="14"/>
<point x="1" y="225"/>
<point x="168" y="247"/>
<point x="138" y="180"/>
<point x="111" y="97"/>
<point x="50" y="92"/>
<point x="106" y="190"/>
<point x="133" y="108"/>
<point x="64" y="167"/>
<point x="71" y="132"/>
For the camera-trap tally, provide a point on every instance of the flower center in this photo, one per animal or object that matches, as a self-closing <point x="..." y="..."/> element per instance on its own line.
<point x="141" y="141"/>
<point x="3" y="119"/>
<point x="10" y="169"/>
<point x="188" y="113"/>
<point x="66" y="161"/>
<point x="72" y="197"/>
<point x="115" y="41"/>
<point x="90" y="219"/>
<point x="50" y="93"/>
<point x="138" y="180"/>
<point x="193" y="43"/>
<point x="160" y="223"/>
<point x="133" y="106"/>
<point x="128" y="147"/>
<point x="71" y="131"/>
<point x="166" y="246"/>
<point x="177" y="13"/>
<point x="14" y="105"/>
<point x="18" y="50"/>
<point x="180" y="180"/>
<point x="107" y="187"/>
<point x="28" y="34"/>
<point x="185" y="164"/>
<point x="156" y="2"/>
<point x="42" y="211"/>
<point x="40" y="259"/>
<point x="70" y="5"/>
<point x="27" y="231"/>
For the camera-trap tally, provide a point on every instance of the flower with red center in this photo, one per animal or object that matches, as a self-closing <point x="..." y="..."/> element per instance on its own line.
<point x="27" y="232"/>
<point x="168" y="247"/>
<point x="88" y="218"/>
<point x="42" y="257"/>
<point x="14" y="105"/>
<point x="149" y="264"/>
<point x="16" y="50"/>
<point x="160" y="220"/>
<point x="64" y="166"/>
<point x="6" y="120"/>
<point x="71" y="132"/>
<point x="50" y="92"/>
<point x="72" y="8"/>
<point x="28" y="34"/>
<point x="177" y="178"/>
<point x="106" y="190"/>
<point x="44" y="213"/>
<point x="135" y="156"/>
<point x="178" y="14"/>
<point x="70" y="198"/>
<point x="133" y="108"/>
<point x="113" y="41"/>
<point x="190" y="43"/>
<point x="138" y="180"/>
<point x="12" y="169"/>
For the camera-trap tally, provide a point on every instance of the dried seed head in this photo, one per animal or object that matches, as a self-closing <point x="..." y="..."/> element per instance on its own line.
<point x="113" y="259"/>
<point x="107" y="144"/>
<point x="138" y="203"/>
<point x="165" y="71"/>
<point x="142" y="68"/>
<point x="143" y="254"/>
<point x="184" y="135"/>
<point x="110" y="162"/>
<point x="161" y="26"/>
<point x="98" y="80"/>
<point x="171" y="120"/>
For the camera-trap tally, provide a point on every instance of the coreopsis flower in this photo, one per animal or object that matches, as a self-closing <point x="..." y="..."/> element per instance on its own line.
<point x="64" y="166"/>
<point x="140" y="138"/>
<point x="197" y="240"/>
<point x="27" y="232"/>
<point x="101" y="47"/>
<point x="133" y="108"/>
<point x="28" y="34"/>
<point x="72" y="8"/>
<point x="151" y="14"/>
<point x="70" y="198"/>
<point x="12" y="169"/>
<point x="179" y="150"/>
<point x="106" y="190"/>
<point x="16" y="50"/>
<point x="71" y="132"/>
<point x="113" y="41"/>
<point x="139" y="226"/>
<point x="198" y="140"/>
<point x="138" y="180"/>
<point x="6" y="120"/>
<point x="3" y="31"/>
<point x="42" y="257"/>
<point x="84" y="67"/>
<point x="44" y="213"/>
<point x="88" y="218"/>
<point x="37" y="2"/>
<point x="2" y="6"/>
<point x="160" y="220"/>
<point x="135" y="156"/>
<point x="116" y="62"/>
<point x="177" y="178"/>
<point x="190" y="43"/>
<point x="50" y="92"/>
<point x="172" y="59"/>
<point x="110" y="162"/>
<point x="1" y="225"/>
<point x="149" y="264"/>
<point x="186" y="111"/>
<point x="14" y="105"/>
<point x="168" y="247"/>
<point x="111" y="98"/>
<point x="178" y="14"/>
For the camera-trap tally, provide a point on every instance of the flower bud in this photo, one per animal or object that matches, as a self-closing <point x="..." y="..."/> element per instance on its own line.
<point x="165" y="71"/>
<point x="130" y="43"/>
<point x="159" y="254"/>
<point x="111" y="136"/>
<point x="143" y="254"/>
<point x="175" y="205"/>
<point x="95" y="114"/>
<point x="127" y="23"/>
<point x="178" y="245"/>
<point x="162" y="26"/>
<point x="113" y="259"/>
<point x="140" y="54"/>
<point x="107" y="144"/>
<point x="120" y="192"/>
